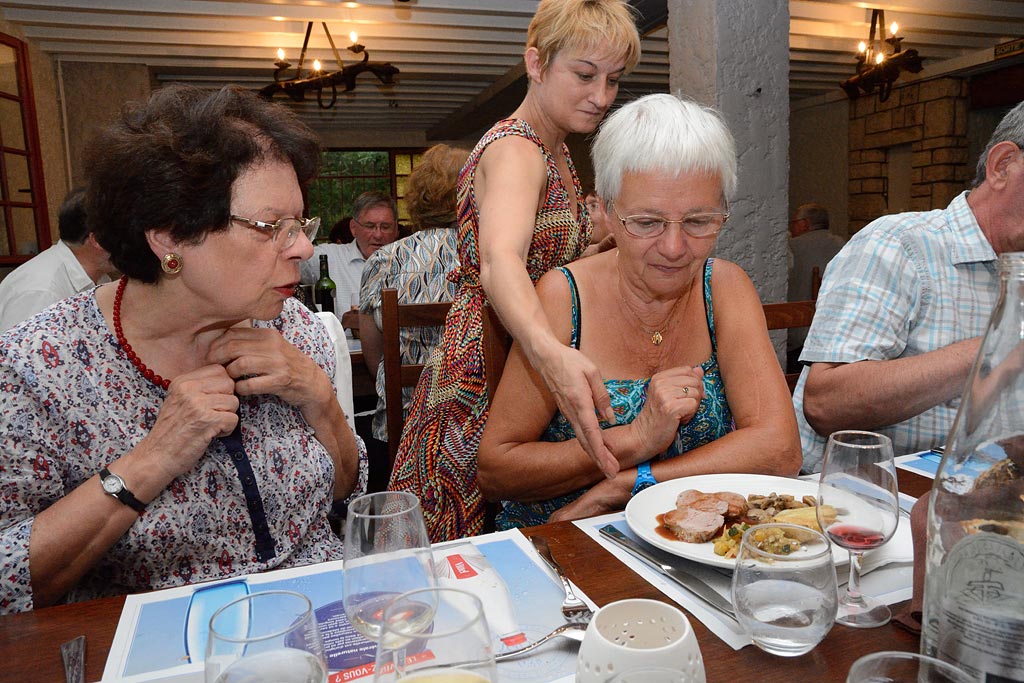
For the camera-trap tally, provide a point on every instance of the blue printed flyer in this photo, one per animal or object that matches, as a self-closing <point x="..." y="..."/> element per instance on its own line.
<point x="161" y="636"/>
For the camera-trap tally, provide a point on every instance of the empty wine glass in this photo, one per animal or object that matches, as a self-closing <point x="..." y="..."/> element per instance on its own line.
<point x="858" y="508"/>
<point x="270" y="637"/>
<point x="387" y="553"/>
<point x="784" y="588"/>
<point x="435" y="635"/>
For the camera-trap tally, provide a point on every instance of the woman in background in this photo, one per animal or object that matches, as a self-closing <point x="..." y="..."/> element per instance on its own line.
<point x="521" y="213"/>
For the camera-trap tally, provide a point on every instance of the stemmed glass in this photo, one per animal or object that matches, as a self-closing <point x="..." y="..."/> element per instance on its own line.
<point x="858" y="508"/>
<point x="387" y="553"/>
<point x="452" y="645"/>
<point x="268" y="636"/>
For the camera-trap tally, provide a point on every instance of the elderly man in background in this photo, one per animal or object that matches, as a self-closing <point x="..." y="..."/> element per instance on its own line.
<point x="902" y="307"/>
<point x="811" y="246"/>
<point x="74" y="264"/>
<point x="373" y="225"/>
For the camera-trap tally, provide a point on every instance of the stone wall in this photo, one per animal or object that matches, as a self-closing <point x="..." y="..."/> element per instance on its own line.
<point x="931" y="116"/>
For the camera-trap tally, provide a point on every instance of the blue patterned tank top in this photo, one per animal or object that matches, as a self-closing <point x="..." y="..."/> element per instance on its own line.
<point x="712" y="420"/>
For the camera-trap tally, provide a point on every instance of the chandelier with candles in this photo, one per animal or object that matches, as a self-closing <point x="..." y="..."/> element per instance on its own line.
<point x="880" y="60"/>
<point x="319" y="80"/>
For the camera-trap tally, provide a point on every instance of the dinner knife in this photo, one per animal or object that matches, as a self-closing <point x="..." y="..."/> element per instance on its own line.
<point x="685" y="579"/>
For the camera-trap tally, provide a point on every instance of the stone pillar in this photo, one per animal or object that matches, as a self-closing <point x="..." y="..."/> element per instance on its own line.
<point x="734" y="56"/>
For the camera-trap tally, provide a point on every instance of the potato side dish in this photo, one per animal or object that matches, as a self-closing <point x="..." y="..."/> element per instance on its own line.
<point x="723" y="516"/>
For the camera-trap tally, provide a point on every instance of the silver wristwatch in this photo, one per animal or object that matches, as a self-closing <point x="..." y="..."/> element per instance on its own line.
<point x="113" y="486"/>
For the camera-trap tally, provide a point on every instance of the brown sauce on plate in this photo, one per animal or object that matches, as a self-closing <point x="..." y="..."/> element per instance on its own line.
<point x="663" y="530"/>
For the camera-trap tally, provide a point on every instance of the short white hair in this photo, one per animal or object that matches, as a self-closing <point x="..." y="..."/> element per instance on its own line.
<point x="662" y="132"/>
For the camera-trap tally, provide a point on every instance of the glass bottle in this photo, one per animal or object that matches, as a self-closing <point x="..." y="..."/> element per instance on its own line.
<point x="974" y="581"/>
<point x="324" y="288"/>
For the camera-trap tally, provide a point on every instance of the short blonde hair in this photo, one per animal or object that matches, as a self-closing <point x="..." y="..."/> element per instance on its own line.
<point x="430" y="194"/>
<point x="581" y="25"/>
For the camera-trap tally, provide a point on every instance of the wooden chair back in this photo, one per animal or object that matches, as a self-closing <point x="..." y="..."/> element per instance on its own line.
<point x="789" y="314"/>
<point x="397" y="374"/>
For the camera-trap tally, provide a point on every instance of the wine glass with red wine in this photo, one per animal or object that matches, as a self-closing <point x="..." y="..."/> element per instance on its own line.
<point x="858" y="509"/>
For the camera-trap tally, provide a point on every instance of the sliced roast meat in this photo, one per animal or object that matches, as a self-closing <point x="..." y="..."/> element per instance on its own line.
<point x="737" y="503"/>
<point x="692" y="525"/>
<point x="698" y="500"/>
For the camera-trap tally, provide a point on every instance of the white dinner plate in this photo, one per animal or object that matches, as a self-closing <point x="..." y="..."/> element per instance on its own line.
<point x="643" y="509"/>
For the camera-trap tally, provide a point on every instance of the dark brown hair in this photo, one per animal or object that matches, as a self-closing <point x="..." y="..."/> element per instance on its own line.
<point x="169" y="163"/>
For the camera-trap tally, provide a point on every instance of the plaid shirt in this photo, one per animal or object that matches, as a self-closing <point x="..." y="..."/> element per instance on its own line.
<point x="904" y="285"/>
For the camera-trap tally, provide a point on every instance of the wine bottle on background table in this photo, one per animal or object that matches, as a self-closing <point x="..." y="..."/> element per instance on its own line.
<point x="974" y="581"/>
<point x="324" y="288"/>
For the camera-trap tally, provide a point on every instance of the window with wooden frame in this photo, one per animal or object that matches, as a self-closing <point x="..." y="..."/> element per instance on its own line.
<point x="344" y="175"/>
<point x="25" y="228"/>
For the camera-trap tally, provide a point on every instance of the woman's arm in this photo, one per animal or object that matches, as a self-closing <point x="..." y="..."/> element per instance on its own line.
<point x="70" y="536"/>
<point x="261" y="361"/>
<point x="515" y="465"/>
<point x="375" y="274"/>
<point x="371" y="342"/>
<point x="510" y="180"/>
<point x="766" y="439"/>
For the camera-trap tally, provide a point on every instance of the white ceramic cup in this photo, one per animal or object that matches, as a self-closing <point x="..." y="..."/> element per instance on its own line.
<point x="635" y="633"/>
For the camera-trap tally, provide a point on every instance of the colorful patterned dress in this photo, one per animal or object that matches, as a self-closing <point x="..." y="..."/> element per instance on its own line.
<point x="437" y="456"/>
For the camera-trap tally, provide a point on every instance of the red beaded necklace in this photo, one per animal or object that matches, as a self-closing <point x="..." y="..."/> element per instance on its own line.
<point x="119" y="333"/>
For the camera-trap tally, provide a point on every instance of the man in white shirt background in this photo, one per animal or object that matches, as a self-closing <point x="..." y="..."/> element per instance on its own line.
<point x="75" y="263"/>
<point x="373" y="225"/>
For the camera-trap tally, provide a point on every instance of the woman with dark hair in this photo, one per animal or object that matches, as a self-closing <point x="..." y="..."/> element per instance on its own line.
<point x="181" y="424"/>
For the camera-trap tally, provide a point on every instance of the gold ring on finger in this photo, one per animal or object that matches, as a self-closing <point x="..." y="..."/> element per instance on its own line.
<point x="686" y="391"/>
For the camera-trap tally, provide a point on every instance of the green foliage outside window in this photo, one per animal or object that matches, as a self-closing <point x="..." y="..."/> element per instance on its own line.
<point x="343" y="177"/>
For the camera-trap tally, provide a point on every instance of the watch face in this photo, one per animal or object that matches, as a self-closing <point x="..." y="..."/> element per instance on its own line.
<point x="112" y="484"/>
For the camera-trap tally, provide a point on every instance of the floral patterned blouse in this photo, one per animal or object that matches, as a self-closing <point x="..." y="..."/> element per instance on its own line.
<point x="70" y="403"/>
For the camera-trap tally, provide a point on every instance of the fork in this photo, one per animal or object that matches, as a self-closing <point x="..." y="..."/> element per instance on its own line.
<point x="573" y="630"/>
<point x="573" y="609"/>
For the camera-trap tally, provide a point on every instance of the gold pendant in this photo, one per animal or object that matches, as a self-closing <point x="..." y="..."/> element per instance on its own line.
<point x="656" y="338"/>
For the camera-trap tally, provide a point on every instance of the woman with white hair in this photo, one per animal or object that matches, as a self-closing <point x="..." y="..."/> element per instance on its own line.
<point x="695" y="383"/>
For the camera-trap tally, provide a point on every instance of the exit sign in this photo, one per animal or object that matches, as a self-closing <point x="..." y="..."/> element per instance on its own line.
<point x="1008" y="49"/>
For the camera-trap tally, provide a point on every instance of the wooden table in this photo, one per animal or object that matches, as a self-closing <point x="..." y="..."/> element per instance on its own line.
<point x="29" y="642"/>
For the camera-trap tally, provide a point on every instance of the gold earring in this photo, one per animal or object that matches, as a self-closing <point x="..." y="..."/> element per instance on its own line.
<point x="171" y="263"/>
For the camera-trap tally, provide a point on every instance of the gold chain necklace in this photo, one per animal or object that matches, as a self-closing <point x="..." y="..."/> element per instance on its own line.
<point x="656" y="335"/>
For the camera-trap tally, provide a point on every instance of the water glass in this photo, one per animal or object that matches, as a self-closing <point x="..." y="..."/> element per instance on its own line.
<point x="904" y="667"/>
<point x="435" y="635"/>
<point x="270" y="637"/>
<point x="784" y="588"/>
<point x="387" y="553"/>
<point x="628" y="634"/>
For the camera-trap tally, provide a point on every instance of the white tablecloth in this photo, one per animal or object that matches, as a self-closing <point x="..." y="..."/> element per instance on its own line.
<point x="343" y="373"/>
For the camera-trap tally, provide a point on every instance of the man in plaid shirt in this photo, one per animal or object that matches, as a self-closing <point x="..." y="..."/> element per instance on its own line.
<point x="902" y="307"/>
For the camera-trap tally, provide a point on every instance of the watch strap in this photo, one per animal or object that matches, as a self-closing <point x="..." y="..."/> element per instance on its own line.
<point x="123" y="494"/>
<point x="644" y="478"/>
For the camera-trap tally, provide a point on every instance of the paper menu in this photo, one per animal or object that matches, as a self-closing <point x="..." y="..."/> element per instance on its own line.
<point x="152" y="642"/>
